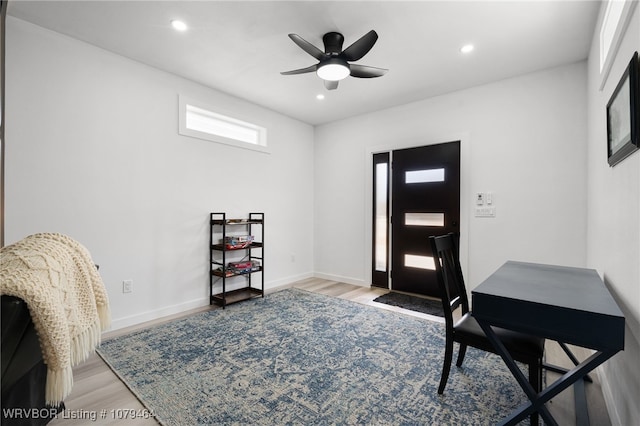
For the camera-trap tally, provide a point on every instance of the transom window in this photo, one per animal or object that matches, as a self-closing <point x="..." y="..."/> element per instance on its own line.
<point x="200" y="122"/>
<point x="615" y="21"/>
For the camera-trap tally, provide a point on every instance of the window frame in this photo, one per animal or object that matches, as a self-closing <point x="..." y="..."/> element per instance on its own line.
<point x="183" y="130"/>
<point x="616" y="29"/>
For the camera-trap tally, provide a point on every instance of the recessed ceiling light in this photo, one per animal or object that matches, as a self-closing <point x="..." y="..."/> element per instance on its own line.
<point x="320" y="97"/>
<point x="179" y="25"/>
<point x="466" y="48"/>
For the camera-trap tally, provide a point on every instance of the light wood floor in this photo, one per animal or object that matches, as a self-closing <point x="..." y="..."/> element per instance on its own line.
<point x="98" y="391"/>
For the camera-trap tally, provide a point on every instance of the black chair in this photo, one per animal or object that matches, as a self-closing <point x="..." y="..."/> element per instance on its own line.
<point x="466" y="331"/>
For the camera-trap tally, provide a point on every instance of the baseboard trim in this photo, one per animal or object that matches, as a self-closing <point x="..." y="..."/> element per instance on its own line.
<point x="166" y="311"/>
<point x="341" y="279"/>
<point x="284" y="282"/>
<point x="181" y="308"/>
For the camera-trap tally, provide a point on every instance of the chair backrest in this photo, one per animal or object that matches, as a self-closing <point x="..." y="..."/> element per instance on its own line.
<point x="449" y="274"/>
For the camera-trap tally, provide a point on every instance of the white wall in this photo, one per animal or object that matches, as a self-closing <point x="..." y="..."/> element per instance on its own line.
<point x="614" y="228"/>
<point x="93" y="151"/>
<point x="523" y="139"/>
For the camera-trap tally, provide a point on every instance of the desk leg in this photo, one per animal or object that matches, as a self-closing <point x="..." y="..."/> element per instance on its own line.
<point x="579" y="393"/>
<point x="576" y="374"/>
<point x="562" y="370"/>
<point x="536" y="404"/>
<point x="580" y="398"/>
<point x="537" y="401"/>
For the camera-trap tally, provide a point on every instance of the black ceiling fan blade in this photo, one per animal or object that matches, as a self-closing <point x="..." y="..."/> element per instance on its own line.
<point x="307" y="47"/>
<point x="330" y="85"/>
<point x="312" y="68"/>
<point x="361" y="47"/>
<point x="364" y="71"/>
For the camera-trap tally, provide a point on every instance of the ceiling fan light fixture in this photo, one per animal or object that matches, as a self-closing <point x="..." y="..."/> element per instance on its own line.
<point x="333" y="69"/>
<point x="334" y="64"/>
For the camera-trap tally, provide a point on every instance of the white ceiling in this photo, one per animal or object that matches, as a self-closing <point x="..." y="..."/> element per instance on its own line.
<point x="240" y="47"/>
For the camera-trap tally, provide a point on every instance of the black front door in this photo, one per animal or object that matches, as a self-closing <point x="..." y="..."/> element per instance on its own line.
<point x="425" y="201"/>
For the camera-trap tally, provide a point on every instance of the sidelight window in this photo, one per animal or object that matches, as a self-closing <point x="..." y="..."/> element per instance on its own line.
<point x="380" y="235"/>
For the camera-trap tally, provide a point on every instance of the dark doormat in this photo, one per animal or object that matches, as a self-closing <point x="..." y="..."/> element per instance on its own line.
<point x="413" y="303"/>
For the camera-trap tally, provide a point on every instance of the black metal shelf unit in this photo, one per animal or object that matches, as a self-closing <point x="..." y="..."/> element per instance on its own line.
<point x="234" y="257"/>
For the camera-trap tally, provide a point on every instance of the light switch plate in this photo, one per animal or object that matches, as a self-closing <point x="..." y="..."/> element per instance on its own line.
<point x="485" y="212"/>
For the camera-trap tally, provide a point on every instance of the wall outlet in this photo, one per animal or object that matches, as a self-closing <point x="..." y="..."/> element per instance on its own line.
<point x="127" y="286"/>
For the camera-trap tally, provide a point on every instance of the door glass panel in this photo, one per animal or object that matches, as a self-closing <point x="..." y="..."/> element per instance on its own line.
<point x="424" y="219"/>
<point x="417" y="261"/>
<point x="381" y="203"/>
<point x="424" y="176"/>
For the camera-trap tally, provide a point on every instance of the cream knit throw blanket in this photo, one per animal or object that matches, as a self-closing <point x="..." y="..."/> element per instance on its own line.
<point x="60" y="284"/>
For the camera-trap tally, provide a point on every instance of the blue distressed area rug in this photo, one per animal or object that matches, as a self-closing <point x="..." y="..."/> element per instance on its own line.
<point x="302" y="358"/>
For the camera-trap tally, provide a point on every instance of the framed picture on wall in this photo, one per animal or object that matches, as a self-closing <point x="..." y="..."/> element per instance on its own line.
<point x="623" y="110"/>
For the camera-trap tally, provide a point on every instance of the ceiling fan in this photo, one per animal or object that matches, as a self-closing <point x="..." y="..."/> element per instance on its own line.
<point x="333" y="64"/>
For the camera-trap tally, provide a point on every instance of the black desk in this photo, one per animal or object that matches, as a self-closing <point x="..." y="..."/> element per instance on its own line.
<point x="569" y="305"/>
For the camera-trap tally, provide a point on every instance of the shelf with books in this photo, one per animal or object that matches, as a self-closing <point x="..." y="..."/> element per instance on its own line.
<point x="236" y="252"/>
